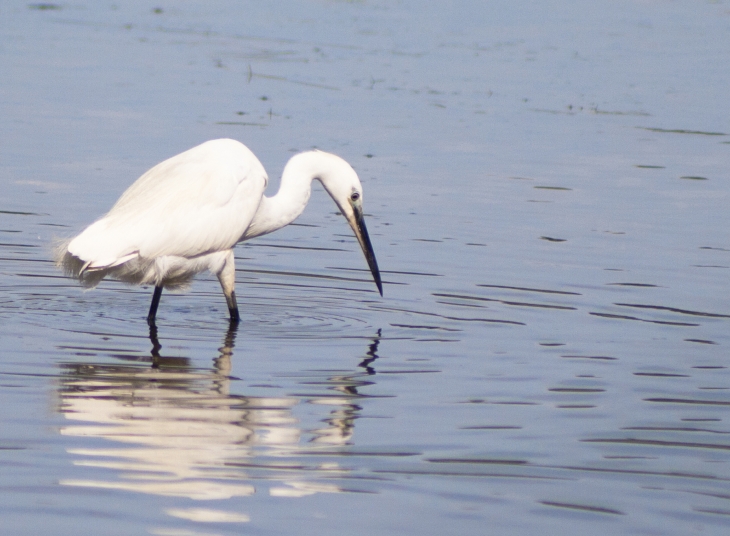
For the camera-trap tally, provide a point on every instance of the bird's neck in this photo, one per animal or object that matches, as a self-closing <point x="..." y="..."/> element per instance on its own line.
<point x="283" y="208"/>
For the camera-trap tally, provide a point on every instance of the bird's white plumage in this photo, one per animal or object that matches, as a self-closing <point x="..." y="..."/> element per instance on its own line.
<point x="187" y="213"/>
<point x="195" y="203"/>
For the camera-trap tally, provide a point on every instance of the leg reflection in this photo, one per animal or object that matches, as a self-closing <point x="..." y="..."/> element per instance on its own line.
<point x="156" y="346"/>
<point x="222" y="363"/>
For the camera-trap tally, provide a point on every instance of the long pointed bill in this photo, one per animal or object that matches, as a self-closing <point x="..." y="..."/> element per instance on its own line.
<point x="357" y="222"/>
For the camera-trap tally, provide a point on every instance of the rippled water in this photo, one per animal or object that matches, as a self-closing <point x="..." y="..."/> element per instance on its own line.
<point x="547" y="190"/>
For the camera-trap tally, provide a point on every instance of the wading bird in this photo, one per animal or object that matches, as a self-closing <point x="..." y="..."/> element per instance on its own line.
<point x="185" y="215"/>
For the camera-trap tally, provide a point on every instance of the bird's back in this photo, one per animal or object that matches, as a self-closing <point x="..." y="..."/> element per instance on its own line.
<point x="200" y="201"/>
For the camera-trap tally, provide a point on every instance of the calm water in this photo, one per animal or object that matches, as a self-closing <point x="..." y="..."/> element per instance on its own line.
<point x="547" y="189"/>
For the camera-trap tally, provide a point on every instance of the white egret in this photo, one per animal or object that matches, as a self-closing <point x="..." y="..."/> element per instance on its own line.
<point x="185" y="215"/>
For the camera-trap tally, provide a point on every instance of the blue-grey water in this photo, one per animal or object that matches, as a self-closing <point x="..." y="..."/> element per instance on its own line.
<point x="546" y="186"/>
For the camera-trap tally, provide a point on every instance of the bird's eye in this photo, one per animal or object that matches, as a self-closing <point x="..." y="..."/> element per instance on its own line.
<point x="355" y="196"/>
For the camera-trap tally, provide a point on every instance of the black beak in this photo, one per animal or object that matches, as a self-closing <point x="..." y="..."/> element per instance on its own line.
<point x="361" y="232"/>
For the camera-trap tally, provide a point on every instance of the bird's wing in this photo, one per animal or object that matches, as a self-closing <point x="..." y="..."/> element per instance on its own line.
<point x="197" y="202"/>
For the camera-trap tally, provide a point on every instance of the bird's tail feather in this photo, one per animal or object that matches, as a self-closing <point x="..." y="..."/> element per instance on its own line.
<point x="132" y="270"/>
<point x="75" y="267"/>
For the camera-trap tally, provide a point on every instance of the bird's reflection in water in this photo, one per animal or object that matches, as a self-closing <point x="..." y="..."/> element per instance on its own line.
<point x="372" y="354"/>
<point x="341" y="422"/>
<point x="176" y="430"/>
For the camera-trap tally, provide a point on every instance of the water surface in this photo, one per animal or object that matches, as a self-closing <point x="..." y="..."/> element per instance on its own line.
<point x="546" y="187"/>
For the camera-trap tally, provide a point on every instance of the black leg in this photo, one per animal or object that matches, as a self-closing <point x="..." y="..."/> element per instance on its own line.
<point x="233" y="308"/>
<point x="153" y="306"/>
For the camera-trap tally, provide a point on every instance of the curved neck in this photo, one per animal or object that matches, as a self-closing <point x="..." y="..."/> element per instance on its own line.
<point x="283" y="208"/>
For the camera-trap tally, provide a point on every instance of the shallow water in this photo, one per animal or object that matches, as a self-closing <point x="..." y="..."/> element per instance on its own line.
<point x="546" y="187"/>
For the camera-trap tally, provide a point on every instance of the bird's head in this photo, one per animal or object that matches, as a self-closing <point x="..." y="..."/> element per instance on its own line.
<point x="343" y="185"/>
